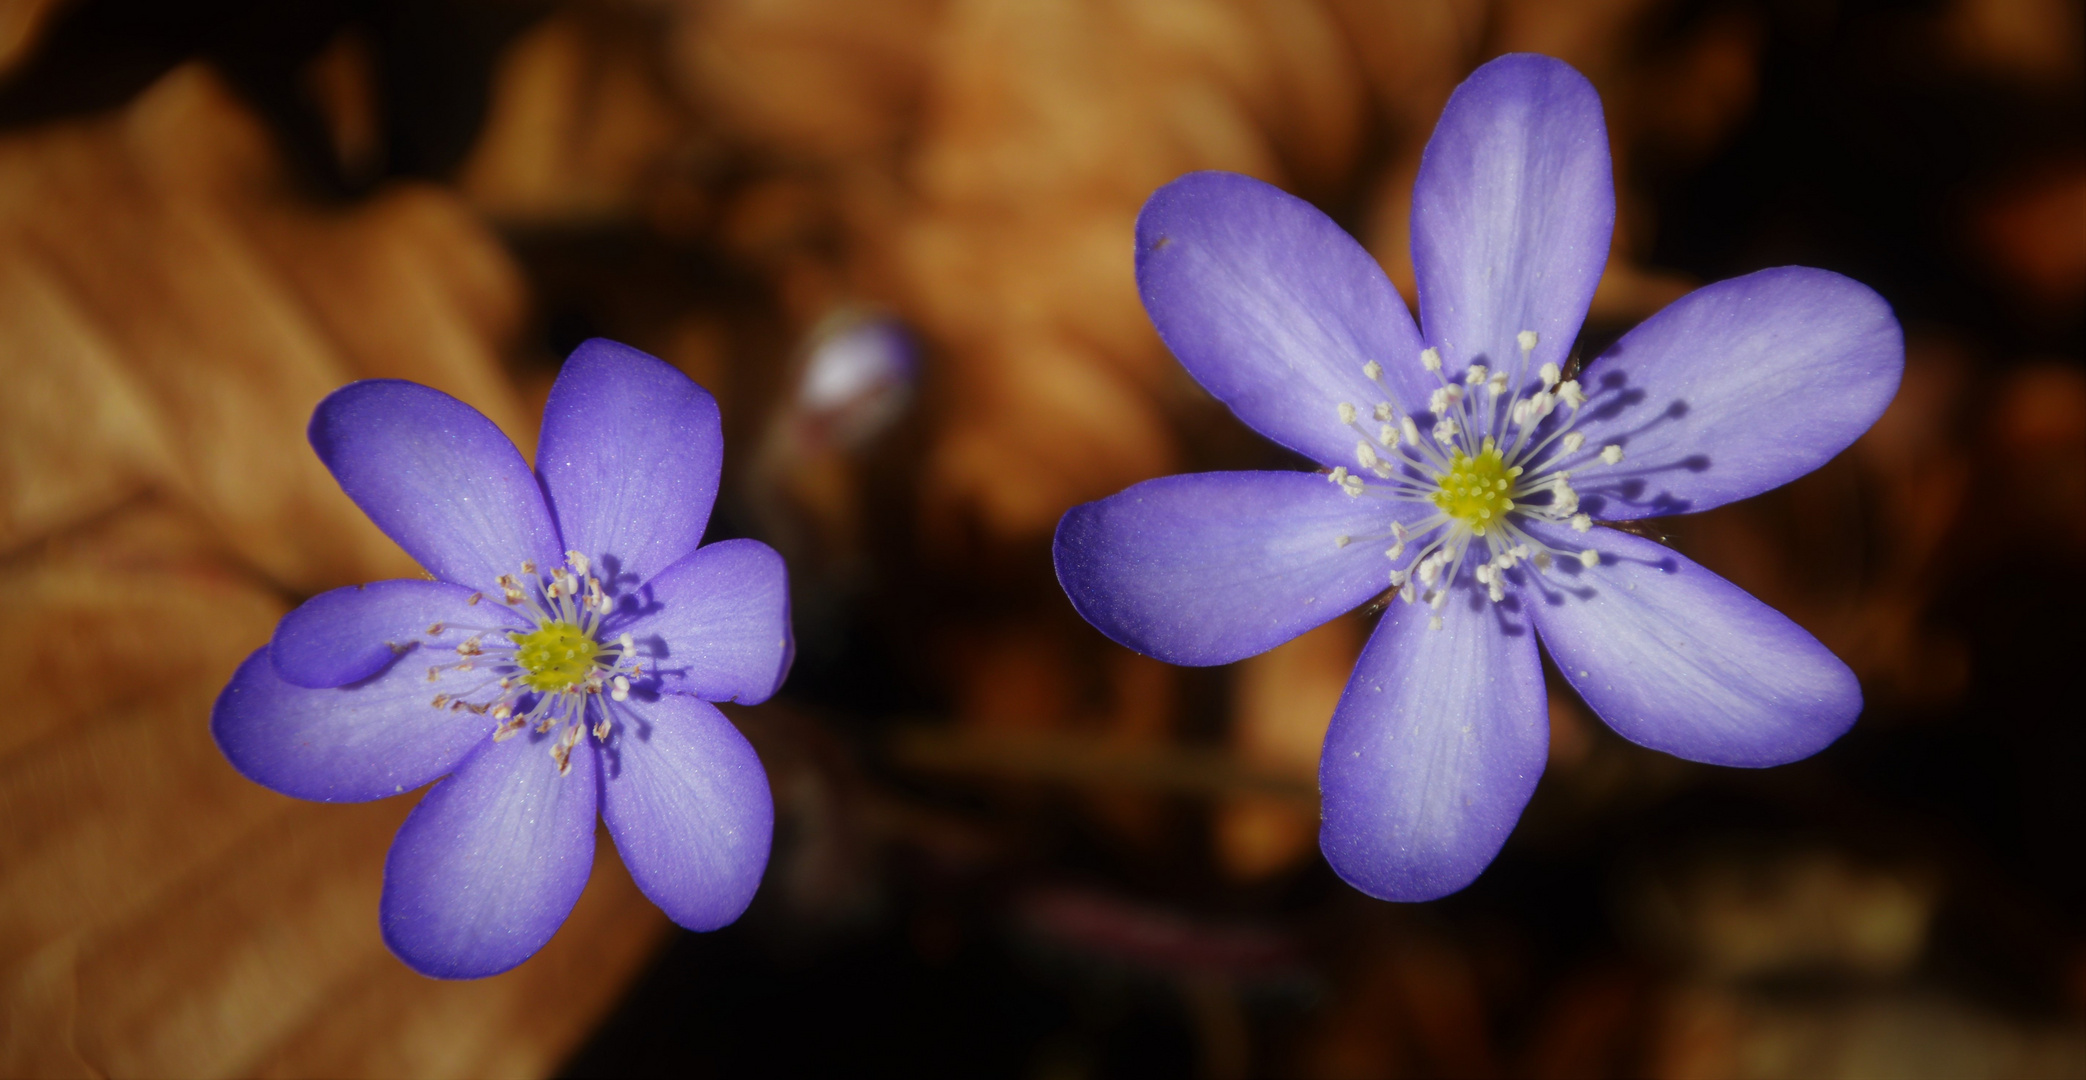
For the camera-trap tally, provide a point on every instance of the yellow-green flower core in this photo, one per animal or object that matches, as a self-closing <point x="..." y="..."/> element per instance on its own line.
<point x="556" y="655"/>
<point x="1477" y="490"/>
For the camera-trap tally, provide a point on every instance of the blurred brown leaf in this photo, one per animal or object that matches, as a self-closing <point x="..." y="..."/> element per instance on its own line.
<point x="2036" y="41"/>
<point x="21" y="23"/>
<point x="950" y="134"/>
<point x="175" y="312"/>
<point x="171" y="309"/>
<point x="1734" y="913"/>
<point x="1712" y="1031"/>
<point x="1282" y="703"/>
<point x="2034" y="234"/>
<point x="1410" y="1006"/>
<point x="583" y="128"/>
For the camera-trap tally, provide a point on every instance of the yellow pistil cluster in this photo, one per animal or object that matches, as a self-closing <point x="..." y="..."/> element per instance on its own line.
<point x="1477" y="490"/>
<point x="556" y="656"/>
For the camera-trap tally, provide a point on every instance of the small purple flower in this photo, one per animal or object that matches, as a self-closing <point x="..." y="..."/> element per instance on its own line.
<point x="561" y="662"/>
<point x="1465" y="453"/>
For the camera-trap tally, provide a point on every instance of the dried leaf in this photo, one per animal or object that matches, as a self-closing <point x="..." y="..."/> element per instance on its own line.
<point x="178" y="312"/>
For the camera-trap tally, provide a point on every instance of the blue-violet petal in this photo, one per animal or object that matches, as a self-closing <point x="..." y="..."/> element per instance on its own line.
<point x="1207" y="568"/>
<point x="1736" y="388"/>
<point x="353" y="743"/>
<point x="630" y="454"/>
<point x="489" y="864"/>
<point x="1275" y="310"/>
<point x="1434" y="749"/>
<point x="349" y="634"/>
<point x="1676" y="658"/>
<point x="1512" y="213"/>
<point x="687" y="802"/>
<point x="438" y="478"/>
<point x="716" y="624"/>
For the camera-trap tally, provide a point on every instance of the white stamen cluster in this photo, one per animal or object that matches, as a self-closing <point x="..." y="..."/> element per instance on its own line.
<point x="1491" y="460"/>
<point x="556" y="676"/>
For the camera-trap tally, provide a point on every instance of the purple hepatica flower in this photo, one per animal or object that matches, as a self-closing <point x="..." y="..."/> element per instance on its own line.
<point x="1463" y="453"/>
<point x="562" y="661"/>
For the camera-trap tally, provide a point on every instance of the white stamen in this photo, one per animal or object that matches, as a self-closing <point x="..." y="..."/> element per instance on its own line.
<point x="1373" y="370"/>
<point x="1387" y="435"/>
<point x="1569" y="392"/>
<point x="1496" y="385"/>
<point x="1383" y="410"/>
<point x="1581" y="522"/>
<point x="1589" y="558"/>
<point x="1527" y="340"/>
<point x="1572" y="442"/>
<point x="1434" y="623"/>
<point x="1410" y="430"/>
<point x="1549" y="374"/>
<point x="1366" y="454"/>
<point x="1430" y="359"/>
<point x="1346" y="412"/>
<point x="1612" y="454"/>
<point x="1445" y="430"/>
<point x="1342" y="540"/>
<point x="1475" y="375"/>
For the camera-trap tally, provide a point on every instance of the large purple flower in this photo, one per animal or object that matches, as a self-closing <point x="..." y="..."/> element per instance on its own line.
<point x="563" y="661"/>
<point x="1463" y="452"/>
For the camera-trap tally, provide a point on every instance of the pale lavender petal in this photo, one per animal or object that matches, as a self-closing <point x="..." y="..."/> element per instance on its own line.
<point x="1274" y="309"/>
<point x="630" y="454"/>
<point x="437" y="477"/>
<point x="351" y="633"/>
<point x="1678" y="659"/>
<point x="351" y="743"/>
<point x="716" y="624"/>
<point x="1734" y="389"/>
<point x="489" y="864"/>
<point x="1207" y="568"/>
<point x="1512" y="213"/>
<point x="1434" y="749"/>
<point x="688" y="804"/>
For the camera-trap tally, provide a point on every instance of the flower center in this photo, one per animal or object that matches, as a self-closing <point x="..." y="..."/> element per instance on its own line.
<point x="557" y="677"/>
<point x="556" y="656"/>
<point x="1498" y="453"/>
<point x="1478" y="491"/>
